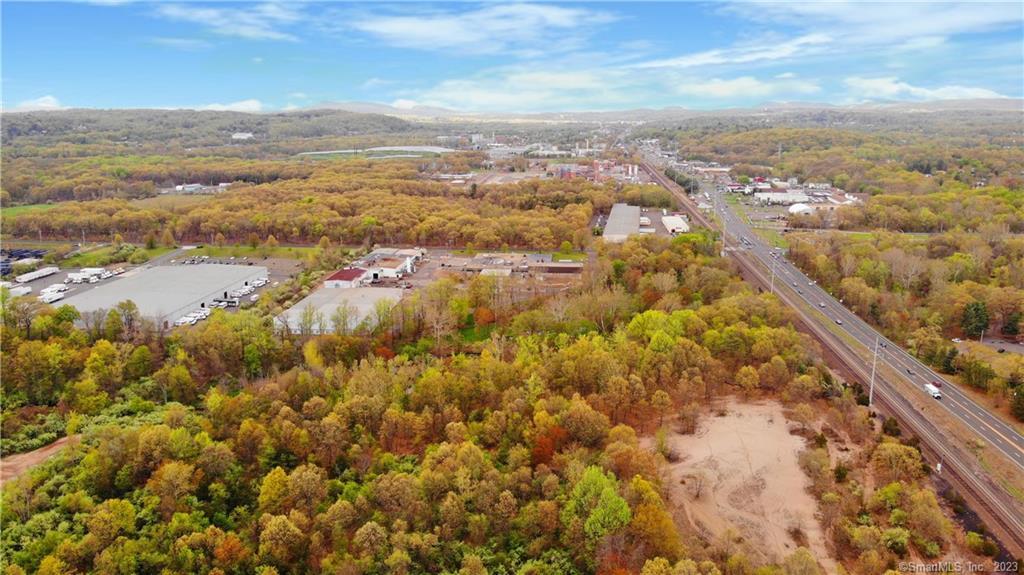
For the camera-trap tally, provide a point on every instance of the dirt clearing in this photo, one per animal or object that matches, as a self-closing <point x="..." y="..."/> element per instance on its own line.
<point x="13" y="466"/>
<point x="740" y="473"/>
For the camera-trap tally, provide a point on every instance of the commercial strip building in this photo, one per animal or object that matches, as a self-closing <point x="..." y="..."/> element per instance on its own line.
<point x="623" y="221"/>
<point x="165" y="293"/>
<point x="322" y="304"/>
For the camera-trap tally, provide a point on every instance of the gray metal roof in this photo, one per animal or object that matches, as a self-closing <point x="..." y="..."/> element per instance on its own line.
<point x="622" y="222"/>
<point x="166" y="292"/>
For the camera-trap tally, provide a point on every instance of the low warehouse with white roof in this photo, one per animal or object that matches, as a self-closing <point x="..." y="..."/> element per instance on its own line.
<point x="165" y="293"/>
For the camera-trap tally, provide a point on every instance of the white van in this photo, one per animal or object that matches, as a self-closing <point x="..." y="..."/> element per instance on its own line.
<point x="933" y="391"/>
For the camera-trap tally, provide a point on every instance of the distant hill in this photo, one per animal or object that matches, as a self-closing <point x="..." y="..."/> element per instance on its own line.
<point x="770" y="109"/>
<point x="189" y="127"/>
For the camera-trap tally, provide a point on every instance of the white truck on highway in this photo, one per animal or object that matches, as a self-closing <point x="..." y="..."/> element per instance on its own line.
<point x="933" y="391"/>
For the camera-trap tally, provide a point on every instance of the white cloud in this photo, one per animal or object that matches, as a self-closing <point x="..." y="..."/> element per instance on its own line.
<point x="257" y="59"/>
<point x="526" y="29"/>
<point x="251" y="105"/>
<point x="745" y="87"/>
<point x="259" y="22"/>
<point x="40" y="104"/>
<point x="186" y="44"/>
<point x="291" y="107"/>
<point x="375" y="83"/>
<point x="298" y="96"/>
<point x="785" y="75"/>
<point x="745" y="54"/>
<point x="529" y="89"/>
<point x="891" y="88"/>
<point x="886" y="22"/>
<point x="403" y="104"/>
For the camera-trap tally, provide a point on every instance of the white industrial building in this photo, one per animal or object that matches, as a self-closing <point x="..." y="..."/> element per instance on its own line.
<point x="165" y="293"/>
<point x="675" y="224"/>
<point x="346" y="278"/>
<point x="391" y="263"/>
<point x="781" y="198"/>
<point x="800" y="209"/>
<point x="623" y="221"/>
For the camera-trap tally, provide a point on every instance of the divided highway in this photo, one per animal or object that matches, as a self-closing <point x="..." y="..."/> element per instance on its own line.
<point x="852" y="339"/>
<point x="994" y="431"/>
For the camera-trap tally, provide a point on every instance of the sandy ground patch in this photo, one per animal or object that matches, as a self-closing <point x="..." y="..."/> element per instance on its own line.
<point x="740" y="472"/>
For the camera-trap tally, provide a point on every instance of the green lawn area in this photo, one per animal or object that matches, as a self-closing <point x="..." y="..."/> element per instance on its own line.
<point x="476" y="333"/>
<point x="570" y="256"/>
<point x="283" y="252"/>
<point x="773" y="237"/>
<point x="172" y="201"/>
<point x="18" y="210"/>
<point x="94" y="257"/>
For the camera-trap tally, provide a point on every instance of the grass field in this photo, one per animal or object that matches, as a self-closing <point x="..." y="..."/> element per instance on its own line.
<point x="284" y="252"/>
<point x="568" y="256"/>
<point x="172" y="201"/>
<point x="94" y="257"/>
<point x="18" y="210"/>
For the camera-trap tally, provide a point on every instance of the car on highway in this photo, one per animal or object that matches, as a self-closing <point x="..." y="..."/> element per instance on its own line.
<point x="910" y="372"/>
<point x="821" y="305"/>
<point x="937" y="383"/>
<point x="839" y="321"/>
<point x="933" y="391"/>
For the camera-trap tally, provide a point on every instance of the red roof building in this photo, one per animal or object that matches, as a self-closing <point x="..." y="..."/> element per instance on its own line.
<point x="348" y="277"/>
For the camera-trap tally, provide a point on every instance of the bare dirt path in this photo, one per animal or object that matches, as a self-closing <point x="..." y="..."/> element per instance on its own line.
<point x="14" y="465"/>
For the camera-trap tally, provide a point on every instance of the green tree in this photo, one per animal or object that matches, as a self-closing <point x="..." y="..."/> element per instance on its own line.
<point x="975" y="318"/>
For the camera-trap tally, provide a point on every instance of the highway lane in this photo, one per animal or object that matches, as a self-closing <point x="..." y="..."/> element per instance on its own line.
<point x="989" y="496"/>
<point x="995" y="432"/>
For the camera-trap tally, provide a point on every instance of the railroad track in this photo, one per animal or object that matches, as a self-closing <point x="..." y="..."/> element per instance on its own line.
<point x="991" y="501"/>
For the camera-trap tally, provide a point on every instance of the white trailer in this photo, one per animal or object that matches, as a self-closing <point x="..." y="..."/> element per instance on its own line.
<point x="93" y="271"/>
<point x="77" y="278"/>
<point x="39" y="273"/>
<point x="17" y="291"/>
<point x="55" y="288"/>
<point x="50" y="297"/>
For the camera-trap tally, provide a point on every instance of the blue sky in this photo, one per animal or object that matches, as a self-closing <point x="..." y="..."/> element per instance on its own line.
<point x="514" y="57"/>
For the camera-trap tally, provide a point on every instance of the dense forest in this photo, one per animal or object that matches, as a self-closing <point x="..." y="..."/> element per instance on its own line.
<point x="234" y="447"/>
<point x="348" y="201"/>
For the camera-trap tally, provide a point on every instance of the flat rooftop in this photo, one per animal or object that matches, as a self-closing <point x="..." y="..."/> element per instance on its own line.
<point x="166" y="292"/>
<point x="624" y="221"/>
<point x="325" y="300"/>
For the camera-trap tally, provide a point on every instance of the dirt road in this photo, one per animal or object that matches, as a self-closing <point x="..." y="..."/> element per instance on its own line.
<point x="14" y="465"/>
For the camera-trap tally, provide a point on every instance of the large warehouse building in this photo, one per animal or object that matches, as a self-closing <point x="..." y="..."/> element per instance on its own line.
<point x="323" y="302"/>
<point x="165" y="293"/>
<point x="623" y="222"/>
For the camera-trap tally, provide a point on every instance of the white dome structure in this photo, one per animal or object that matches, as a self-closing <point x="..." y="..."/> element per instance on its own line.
<point x="800" y="209"/>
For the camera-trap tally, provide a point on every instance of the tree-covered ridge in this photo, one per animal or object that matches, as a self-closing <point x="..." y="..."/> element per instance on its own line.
<point x="348" y="201"/>
<point x="230" y="447"/>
